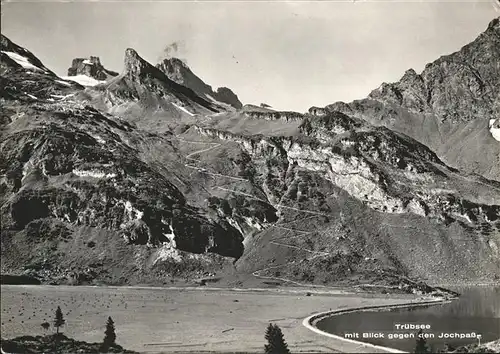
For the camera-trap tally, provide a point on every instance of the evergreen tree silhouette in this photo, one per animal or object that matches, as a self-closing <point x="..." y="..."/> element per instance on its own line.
<point x="109" y="335"/>
<point x="275" y="341"/>
<point x="59" y="320"/>
<point x="421" y="346"/>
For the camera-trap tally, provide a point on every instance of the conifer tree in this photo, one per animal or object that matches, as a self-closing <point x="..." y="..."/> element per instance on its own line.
<point x="275" y="342"/>
<point x="59" y="320"/>
<point x="109" y="334"/>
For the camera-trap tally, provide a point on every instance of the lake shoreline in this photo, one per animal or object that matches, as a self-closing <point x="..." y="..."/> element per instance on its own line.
<point x="476" y="307"/>
<point x="311" y="321"/>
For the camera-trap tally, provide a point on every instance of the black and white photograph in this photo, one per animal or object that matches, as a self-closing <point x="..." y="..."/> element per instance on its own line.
<point x="250" y="176"/>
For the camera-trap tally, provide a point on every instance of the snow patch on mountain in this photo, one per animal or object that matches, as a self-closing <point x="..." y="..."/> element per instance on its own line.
<point x="31" y="96"/>
<point x="253" y="222"/>
<point x="132" y="213"/>
<point x="171" y="235"/>
<point x="183" y="109"/>
<point x="93" y="173"/>
<point x="98" y="139"/>
<point x="494" y="126"/>
<point x="23" y="61"/>
<point x="83" y="80"/>
<point x="225" y="105"/>
<point x="64" y="83"/>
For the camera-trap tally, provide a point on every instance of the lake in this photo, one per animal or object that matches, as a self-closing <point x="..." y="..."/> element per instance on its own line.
<point x="477" y="311"/>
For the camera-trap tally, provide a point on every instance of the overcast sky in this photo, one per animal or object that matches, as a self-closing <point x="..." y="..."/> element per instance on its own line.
<point x="291" y="55"/>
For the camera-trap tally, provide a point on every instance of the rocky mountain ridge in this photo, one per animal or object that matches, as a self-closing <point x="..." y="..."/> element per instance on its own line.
<point x="447" y="107"/>
<point x="177" y="71"/>
<point x="146" y="96"/>
<point x="143" y="179"/>
<point x="14" y="56"/>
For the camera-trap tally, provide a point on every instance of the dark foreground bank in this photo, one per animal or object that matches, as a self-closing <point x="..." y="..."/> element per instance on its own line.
<point x="56" y="343"/>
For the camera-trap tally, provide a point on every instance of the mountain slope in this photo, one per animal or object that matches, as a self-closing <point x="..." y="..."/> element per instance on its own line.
<point x="178" y="71"/>
<point x="355" y="199"/>
<point x="78" y="199"/>
<point x="14" y="56"/>
<point x="450" y="107"/>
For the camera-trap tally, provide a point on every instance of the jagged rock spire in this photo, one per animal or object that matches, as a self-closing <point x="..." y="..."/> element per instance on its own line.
<point x="178" y="71"/>
<point x="134" y="64"/>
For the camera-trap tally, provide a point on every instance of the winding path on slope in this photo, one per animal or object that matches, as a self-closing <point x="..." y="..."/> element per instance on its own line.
<point x="257" y="272"/>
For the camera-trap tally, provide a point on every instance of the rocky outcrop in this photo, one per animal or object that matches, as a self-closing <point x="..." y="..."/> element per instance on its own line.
<point x="135" y="66"/>
<point x="284" y="116"/>
<point x="317" y="111"/>
<point x="177" y="71"/>
<point x="494" y="126"/>
<point x="56" y="342"/>
<point x="90" y="67"/>
<point x="326" y="126"/>
<point x="226" y="95"/>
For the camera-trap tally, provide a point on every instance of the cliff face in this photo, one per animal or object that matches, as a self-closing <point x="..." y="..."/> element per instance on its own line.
<point x="447" y="107"/>
<point x="177" y="71"/>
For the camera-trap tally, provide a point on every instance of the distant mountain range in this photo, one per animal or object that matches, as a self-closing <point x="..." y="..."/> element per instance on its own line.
<point x="150" y="175"/>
